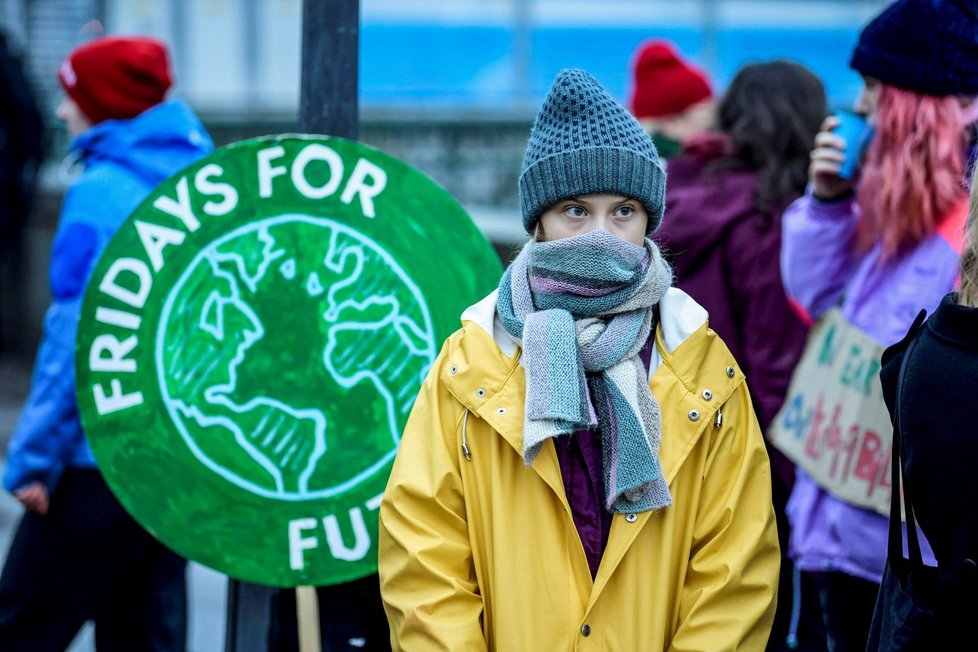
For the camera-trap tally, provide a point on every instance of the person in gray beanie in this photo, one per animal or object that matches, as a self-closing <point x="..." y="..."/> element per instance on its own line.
<point x="583" y="142"/>
<point x="583" y="464"/>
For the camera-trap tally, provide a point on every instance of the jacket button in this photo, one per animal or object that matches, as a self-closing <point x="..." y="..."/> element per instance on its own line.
<point x="707" y="394"/>
<point x="631" y="518"/>
<point x="480" y="392"/>
<point x="730" y="372"/>
<point x="453" y="370"/>
<point x="585" y="630"/>
<point x="694" y="415"/>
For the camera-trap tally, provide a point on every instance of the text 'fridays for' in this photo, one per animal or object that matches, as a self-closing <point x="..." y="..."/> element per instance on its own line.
<point x="129" y="280"/>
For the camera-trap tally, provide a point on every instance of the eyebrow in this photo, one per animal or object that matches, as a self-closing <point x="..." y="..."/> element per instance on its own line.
<point x="581" y="200"/>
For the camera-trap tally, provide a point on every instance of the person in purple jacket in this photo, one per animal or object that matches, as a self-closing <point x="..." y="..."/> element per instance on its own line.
<point x="880" y="250"/>
<point x="722" y="233"/>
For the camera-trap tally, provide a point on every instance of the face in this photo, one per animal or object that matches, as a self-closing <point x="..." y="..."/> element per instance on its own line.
<point x="75" y="121"/>
<point x="694" y="120"/>
<point x="868" y="100"/>
<point x="622" y="217"/>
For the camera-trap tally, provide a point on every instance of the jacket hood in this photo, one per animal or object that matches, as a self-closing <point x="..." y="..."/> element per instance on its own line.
<point x="152" y="145"/>
<point x="679" y="318"/>
<point x="695" y="370"/>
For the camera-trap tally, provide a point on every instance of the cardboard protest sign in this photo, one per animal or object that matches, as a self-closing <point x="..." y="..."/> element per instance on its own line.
<point x="251" y="344"/>
<point x="834" y="423"/>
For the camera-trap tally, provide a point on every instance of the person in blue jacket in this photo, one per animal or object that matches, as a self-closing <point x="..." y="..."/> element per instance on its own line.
<point x="77" y="555"/>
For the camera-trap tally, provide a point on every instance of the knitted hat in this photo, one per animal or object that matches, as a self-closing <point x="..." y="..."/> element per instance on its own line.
<point x="584" y="142"/>
<point x="116" y="77"/>
<point x="928" y="46"/>
<point x="664" y="84"/>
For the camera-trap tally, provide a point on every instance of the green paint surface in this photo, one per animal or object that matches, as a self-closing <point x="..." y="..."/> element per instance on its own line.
<point x="251" y="344"/>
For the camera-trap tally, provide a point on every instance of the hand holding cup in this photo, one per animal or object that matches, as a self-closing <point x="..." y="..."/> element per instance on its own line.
<point x="838" y="152"/>
<point x="827" y="159"/>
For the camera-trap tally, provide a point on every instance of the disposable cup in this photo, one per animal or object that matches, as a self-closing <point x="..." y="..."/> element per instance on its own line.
<point x="857" y="133"/>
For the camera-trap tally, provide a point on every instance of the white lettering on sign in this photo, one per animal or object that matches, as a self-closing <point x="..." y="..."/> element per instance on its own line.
<point x="267" y="171"/>
<point x="179" y="208"/>
<point x="357" y="185"/>
<point x="115" y="401"/>
<point x="110" y="282"/>
<point x="119" y="318"/>
<point x="335" y="541"/>
<point x="116" y="360"/>
<point x="154" y="238"/>
<point x="334" y="537"/>
<point x="130" y="280"/>
<point x="203" y="182"/>
<point x="298" y="543"/>
<point x="316" y="152"/>
<point x="366" y="181"/>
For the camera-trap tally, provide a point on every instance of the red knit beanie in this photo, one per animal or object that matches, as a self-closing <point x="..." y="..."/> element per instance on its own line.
<point x="664" y="84"/>
<point x="116" y="77"/>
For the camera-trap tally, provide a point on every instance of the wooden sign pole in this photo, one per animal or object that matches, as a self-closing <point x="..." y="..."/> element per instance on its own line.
<point x="328" y="104"/>
<point x="307" y="609"/>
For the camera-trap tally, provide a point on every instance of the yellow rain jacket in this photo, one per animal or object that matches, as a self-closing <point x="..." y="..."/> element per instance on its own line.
<point x="478" y="552"/>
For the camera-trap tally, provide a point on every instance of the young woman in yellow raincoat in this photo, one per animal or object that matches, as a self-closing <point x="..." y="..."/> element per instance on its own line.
<point x="543" y="498"/>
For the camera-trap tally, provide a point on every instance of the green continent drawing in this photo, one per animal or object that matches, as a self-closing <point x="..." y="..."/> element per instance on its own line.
<point x="275" y="339"/>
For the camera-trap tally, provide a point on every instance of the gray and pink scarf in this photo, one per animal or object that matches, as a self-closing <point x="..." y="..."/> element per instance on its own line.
<point x="581" y="309"/>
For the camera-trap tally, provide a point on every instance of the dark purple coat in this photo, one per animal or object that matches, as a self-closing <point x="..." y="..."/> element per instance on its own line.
<point x="726" y="253"/>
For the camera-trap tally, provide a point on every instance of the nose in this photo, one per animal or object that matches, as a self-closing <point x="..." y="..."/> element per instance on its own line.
<point x="864" y="104"/>
<point x="601" y="221"/>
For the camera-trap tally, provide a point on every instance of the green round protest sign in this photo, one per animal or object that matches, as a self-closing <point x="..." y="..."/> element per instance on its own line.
<point x="252" y="341"/>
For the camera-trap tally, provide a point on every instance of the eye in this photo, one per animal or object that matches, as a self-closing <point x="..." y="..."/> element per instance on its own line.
<point x="625" y="211"/>
<point x="575" y="211"/>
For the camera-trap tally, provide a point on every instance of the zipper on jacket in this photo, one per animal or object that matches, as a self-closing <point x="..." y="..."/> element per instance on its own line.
<point x="465" y="446"/>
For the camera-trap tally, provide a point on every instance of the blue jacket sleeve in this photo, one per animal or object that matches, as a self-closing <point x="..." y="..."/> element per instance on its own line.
<point x="49" y="429"/>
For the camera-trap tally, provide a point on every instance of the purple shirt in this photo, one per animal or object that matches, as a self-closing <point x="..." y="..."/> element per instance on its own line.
<point x="582" y="470"/>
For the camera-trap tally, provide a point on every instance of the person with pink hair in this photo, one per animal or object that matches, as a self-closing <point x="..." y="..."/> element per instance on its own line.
<point x="880" y="249"/>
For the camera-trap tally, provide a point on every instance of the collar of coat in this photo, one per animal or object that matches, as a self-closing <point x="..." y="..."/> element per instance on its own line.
<point x="691" y="371"/>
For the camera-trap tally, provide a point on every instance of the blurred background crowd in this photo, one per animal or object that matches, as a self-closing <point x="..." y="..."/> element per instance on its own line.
<point x="451" y="87"/>
<point x="448" y="86"/>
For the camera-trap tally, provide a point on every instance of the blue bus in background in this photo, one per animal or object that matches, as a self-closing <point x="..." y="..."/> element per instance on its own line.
<point x="502" y="60"/>
<point x="486" y="57"/>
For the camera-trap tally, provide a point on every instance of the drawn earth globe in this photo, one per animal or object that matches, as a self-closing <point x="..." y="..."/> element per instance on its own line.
<point x="290" y="352"/>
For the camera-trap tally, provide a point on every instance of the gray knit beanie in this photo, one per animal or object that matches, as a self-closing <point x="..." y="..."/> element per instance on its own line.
<point x="584" y="142"/>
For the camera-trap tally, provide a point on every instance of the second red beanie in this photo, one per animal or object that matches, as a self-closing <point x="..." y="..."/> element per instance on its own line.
<point x="664" y="84"/>
<point x="116" y="77"/>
